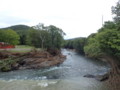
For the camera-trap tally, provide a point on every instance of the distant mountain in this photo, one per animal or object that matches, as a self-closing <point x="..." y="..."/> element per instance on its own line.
<point x="75" y="38"/>
<point x="18" y="27"/>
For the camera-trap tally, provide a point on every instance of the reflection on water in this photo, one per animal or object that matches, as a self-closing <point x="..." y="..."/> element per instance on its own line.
<point x="68" y="76"/>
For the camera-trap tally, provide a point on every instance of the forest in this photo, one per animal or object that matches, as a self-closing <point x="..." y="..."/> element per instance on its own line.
<point x="39" y="36"/>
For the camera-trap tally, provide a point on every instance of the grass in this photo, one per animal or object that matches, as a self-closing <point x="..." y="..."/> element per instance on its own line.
<point x="19" y="49"/>
<point x="23" y="46"/>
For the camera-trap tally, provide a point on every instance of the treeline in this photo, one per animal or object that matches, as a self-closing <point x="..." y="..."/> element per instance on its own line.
<point x="40" y="36"/>
<point x="77" y="44"/>
<point x="49" y="37"/>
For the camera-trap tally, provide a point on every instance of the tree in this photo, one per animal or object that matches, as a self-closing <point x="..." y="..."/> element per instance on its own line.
<point x="92" y="49"/>
<point x="32" y="38"/>
<point x="21" y="30"/>
<point x="46" y="37"/>
<point x="68" y="44"/>
<point x="109" y="42"/>
<point x="79" y="44"/>
<point x="56" y="36"/>
<point x="108" y="25"/>
<point x="9" y="36"/>
<point x="116" y="12"/>
<point x="105" y="43"/>
<point x="42" y="34"/>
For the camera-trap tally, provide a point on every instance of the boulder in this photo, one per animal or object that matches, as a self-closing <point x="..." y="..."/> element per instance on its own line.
<point x="89" y="76"/>
<point x="98" y="77"/>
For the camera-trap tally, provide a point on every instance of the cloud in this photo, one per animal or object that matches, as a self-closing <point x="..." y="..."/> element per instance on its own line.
<point x="10" y="20"/>
<point x="76" y="17"/>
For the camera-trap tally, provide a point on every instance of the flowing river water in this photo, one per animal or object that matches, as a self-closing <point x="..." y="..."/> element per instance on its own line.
<point x="67" y="76"/>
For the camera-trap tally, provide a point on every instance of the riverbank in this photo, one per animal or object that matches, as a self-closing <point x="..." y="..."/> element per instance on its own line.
<point x="31" y="60"/>
<point x="68" y="76"/>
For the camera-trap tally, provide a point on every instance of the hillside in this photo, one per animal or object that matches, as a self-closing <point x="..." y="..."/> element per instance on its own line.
<point x="17" y="27"/>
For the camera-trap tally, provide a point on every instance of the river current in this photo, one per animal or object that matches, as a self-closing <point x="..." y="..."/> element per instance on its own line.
<point x="67" y="76"/>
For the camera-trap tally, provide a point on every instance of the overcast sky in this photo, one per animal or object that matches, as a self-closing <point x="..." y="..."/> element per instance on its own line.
<point x="77" y="18"/>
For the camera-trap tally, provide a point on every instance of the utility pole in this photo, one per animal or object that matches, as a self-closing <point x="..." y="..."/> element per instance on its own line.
<point x="102" y="21"/>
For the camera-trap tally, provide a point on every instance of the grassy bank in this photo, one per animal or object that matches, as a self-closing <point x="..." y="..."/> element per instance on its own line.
<point x="19" y="49"/>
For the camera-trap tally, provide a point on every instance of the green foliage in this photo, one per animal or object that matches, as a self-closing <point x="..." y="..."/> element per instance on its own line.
<point x="38" y="38"/>
<point x="9" y="36"/>
<point x="5" y="65"/>
<point x="68" y="44"/>
<point x="21" y="30"/>
<point x="77" y="44"/>
<point x="39" y="35"/>
<point x="92" y="48"/>
<point x="116" y="12"/>
<point x="5" y="69"/>
<point x="109" y="41"/>
<point x="105" y="42"/>
<point x="49" y="37"/>
<point x="108" y="25"/>
<point x="56" y="36"/>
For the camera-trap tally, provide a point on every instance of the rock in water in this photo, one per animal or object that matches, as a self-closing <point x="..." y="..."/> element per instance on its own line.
<point x="89" y="76"/>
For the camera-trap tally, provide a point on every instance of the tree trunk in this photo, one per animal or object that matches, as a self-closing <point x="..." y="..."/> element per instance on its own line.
<point x="42" y="45"/>
<point x="114" y="73"/>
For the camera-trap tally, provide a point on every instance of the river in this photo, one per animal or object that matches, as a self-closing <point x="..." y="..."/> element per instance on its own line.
<point x="67" y="76"/>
